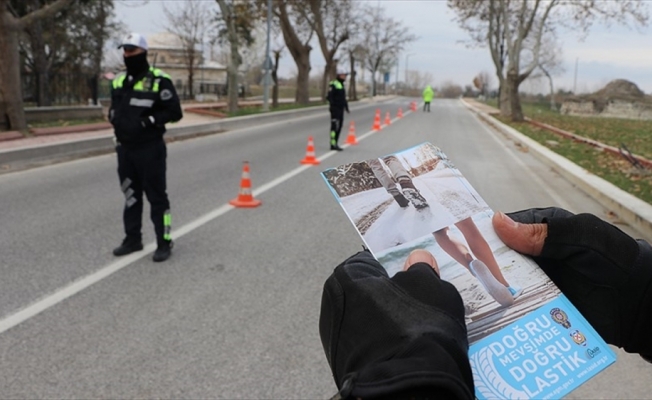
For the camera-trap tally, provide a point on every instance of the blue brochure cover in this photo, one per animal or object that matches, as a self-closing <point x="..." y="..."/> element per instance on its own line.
<point x="526" y="339"/>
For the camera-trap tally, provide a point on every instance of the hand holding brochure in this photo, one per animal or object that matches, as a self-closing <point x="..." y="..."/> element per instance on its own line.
<point x="526" y="339"/>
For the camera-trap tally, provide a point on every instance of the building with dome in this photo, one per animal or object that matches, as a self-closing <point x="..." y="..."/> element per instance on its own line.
<point x="167" y="52"/>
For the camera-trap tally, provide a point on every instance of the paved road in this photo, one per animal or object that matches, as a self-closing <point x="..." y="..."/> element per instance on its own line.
<point x="234" y="313"/>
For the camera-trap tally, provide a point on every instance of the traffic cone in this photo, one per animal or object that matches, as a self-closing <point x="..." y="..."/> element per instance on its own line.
<point x="310" y="153"/>
<point x="388" y="120"/>
<point x="400" y="113"/>
<point x="351" y="138"/>
<point x="376" y="126"/>
<point x="413" y="106"/>
<point x="245" y="197"/>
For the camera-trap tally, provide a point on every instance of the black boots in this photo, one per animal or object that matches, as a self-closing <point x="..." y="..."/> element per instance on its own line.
<point x="336" y="148"/>
<point x="128" y="246"/>
<point x="163" y="251"/>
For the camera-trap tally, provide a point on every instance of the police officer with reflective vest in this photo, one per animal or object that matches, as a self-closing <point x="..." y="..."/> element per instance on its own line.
<point x="337" y="101"/>
<point x="143" y="100"/>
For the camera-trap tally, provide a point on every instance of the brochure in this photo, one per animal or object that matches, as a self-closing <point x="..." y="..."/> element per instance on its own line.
<point x="526" y="339"/>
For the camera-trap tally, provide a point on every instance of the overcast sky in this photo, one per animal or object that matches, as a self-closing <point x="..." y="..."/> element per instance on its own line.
<point x="606" y="54"/>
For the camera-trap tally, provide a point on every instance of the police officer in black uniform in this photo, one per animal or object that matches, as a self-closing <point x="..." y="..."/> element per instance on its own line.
<point x="337" y="101"/>
<point x="143" y="100"/>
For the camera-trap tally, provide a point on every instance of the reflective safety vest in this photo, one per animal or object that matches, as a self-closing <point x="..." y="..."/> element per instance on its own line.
<point x="337" y="84"/>
<point x="151" y="79"/>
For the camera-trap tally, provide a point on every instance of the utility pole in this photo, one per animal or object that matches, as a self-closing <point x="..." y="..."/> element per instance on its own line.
<point x="575" y="80"/>
<point x="396" y="83"/>
<point x="268" y="61"/>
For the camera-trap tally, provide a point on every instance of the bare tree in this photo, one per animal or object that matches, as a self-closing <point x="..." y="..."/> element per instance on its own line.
<point x="511" y="28"/>
<point x="238" y="19"/>
<point x="384" y="38"/>
<point x="274" y="74"/>
<point x="550" y="64"/>
<point x="482" y="82"/>
<point x="332" y="22"/>
<point x="354" y="54"/>
<point x="253" y="57"/>
<point x="297" y="35"/>
<point x="417" y="80"/>
<point x="450" y="90"/>
<point x="190" y="21"/>
<point x="11" y="96"/>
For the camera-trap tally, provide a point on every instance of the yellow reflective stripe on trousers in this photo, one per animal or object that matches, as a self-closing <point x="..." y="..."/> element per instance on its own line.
<point x="167" y="225"/>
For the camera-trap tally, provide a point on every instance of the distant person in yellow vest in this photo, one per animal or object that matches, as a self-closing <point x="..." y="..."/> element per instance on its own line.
<point x="143" y="100"/>
<point x="338" y="104"/>
<point x="428" y="94"/>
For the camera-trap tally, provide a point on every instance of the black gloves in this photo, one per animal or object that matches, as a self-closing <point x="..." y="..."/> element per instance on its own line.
<point x="604" y="272"/>
<point x="387" y="336"/>
<point x="148" y="122"/>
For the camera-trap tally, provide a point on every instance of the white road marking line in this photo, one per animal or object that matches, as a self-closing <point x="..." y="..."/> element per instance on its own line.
<point x="77" y="286"/>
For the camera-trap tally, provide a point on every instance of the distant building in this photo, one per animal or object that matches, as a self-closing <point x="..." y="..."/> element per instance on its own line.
<point x="167" y="53"/>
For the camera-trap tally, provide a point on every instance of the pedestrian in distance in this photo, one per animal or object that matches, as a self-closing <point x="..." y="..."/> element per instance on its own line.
<point x="376" y="349"/>
<point x="337" y="105"/>
<point x="428" y="94"/>
<point x="143" y="100"/>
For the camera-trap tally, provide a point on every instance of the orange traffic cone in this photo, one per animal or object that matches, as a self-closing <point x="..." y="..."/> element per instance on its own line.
<point x="400" y="113"/>
<point x="388" y="120"/>
<point x="413" y="106"/>
<point x="310" y="153"/>
<point x="351" y="138"/>
<point x="376" y="126"/>
<point x="245" y="197"/>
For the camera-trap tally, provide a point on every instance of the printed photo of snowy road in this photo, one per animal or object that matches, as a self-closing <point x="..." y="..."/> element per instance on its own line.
<point x="410" y="210"/>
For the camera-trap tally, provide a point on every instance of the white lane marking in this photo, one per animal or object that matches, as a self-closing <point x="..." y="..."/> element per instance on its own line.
<point x="77" y="286"/>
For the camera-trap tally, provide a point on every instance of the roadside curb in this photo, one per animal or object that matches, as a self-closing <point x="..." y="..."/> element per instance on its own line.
<point x="56" y="130"/>
<point x="103" y="143"/>
<point x="630" y="209"/>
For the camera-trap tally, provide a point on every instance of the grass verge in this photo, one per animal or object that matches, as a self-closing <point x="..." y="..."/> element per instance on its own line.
<point x="635" y="134"/>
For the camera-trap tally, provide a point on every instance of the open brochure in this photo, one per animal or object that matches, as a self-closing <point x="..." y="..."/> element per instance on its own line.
<point x="526" y="339"/>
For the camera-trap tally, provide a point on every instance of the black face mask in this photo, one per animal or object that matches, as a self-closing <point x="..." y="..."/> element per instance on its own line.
<point x="136" y="64"/>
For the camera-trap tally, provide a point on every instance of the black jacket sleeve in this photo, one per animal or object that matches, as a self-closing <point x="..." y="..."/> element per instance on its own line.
<point x="604" y="272"/>
<point x="168" y="106"/>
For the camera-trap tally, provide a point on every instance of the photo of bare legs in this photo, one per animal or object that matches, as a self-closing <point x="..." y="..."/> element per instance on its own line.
<point x="483" y="266"/>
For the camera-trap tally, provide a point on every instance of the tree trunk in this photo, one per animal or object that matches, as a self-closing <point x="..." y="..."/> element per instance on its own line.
<point x="353" y="94"/>
<point x="303" y="78"/>
<point x="330" y="70"/>
<point x="235" y="60"/>
<point x="277" y="55"/>
<point x="300" y="53"/>
<point x="324" y="81"/>
<point x="511" y="90"/>
<point x="504" y="102"/>
<point x="191" y="84"/>
<point x="10" y="88"/>
<point x="232" y="93"/>
<point x="41" y="66"/>
<point x="553" y="105"/>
